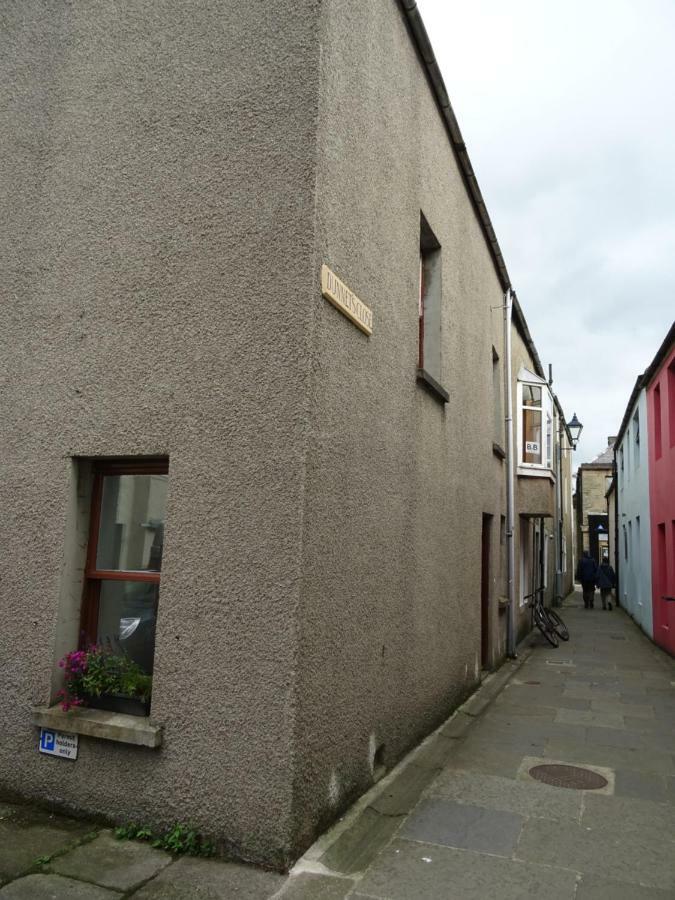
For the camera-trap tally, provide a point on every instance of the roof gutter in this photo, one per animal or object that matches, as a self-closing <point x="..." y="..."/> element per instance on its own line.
<point x="423" y="45"/>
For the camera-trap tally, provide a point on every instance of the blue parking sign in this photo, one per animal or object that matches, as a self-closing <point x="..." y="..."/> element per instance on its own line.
<point x="58" y="743"/>
<point x="47" y="740"/>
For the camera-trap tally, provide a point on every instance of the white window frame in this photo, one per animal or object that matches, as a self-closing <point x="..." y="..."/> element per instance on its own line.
<point x="547" y="430"/>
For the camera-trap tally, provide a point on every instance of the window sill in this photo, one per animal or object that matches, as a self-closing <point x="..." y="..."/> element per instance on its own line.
<point x="430" y="383"/>
<point x="524" y="472"/>
<point x="498" y="451"/>
<point x="99" y="723"/>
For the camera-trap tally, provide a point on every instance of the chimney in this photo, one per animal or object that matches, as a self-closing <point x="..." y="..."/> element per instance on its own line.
<point x="611" y="440"/>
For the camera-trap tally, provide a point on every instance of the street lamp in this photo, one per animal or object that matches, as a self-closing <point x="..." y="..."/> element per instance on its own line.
<point x="575" y="428"/>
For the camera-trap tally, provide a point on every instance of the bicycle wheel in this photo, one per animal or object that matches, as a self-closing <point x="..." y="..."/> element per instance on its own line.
<point x="558" y="625"/>
<point x="545" y="626"/>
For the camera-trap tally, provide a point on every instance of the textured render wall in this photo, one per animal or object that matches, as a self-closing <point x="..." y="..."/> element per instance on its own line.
<point x="396" y="482"/>
<point x="157" y="258"/>
<point x="568" y="520"/>
<point x="635" y="589"/>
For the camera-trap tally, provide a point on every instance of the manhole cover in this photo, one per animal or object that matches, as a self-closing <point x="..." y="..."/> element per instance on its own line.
<point x="569" y="777"/>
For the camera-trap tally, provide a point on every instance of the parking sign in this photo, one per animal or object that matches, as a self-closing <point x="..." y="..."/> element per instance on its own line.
<point x="58" y="743"/>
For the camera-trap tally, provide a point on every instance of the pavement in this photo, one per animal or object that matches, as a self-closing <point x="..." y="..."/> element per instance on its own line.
<point x="461" y="817"/>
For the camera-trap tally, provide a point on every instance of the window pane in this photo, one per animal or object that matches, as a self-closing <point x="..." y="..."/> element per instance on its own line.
<point x="126" y="620"/>
<point x="531" y="395"/>
<point x="131" y="532"/>
<point x="531" y="436"/>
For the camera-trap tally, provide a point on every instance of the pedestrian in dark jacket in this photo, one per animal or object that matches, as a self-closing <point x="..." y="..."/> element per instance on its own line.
<point x="587" y="571"/>
<point x="606" y="580"/>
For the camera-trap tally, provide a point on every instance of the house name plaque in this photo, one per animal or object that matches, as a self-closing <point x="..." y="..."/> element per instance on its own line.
<point x="347" y="302"/>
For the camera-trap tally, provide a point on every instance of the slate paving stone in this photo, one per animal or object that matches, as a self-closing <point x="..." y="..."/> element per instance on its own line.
<point x="415" y="871"/>
<point x="457" y="726"/>
<point x="121" y="865"/>
<point x="626" y="815"/>
<point x="614" y="737"/>
<point x="506" y="710"/>
<point x="315" y="887"/>
<point x="589" y="717"/>
<point x="636" y="710"/>
<point x="597" y="851"/>
<point x="402" y="794"/>
<point x="524" y="798"/>
<point x="592" y="888"/>
<point x="21" y="845"/>
<point x="460" y="825"/>
<point x="643" y="760"/>
<point x="641" y="785"/>
<point x="436" y="752"/>
<point x="54" y="887"/>
<point x="207" y="879"/>
<point x="358" y="846"/>
<point x="488" y="759"/>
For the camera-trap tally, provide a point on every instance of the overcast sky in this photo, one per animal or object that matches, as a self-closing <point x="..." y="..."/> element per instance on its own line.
<point x="568" y="113"/>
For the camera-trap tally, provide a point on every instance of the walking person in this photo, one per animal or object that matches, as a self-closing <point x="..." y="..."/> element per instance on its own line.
<point x="587" y="571"/>
<point x="606" y="581"/>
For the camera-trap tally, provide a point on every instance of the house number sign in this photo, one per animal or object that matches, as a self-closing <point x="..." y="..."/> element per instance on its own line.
<point x="347" y="302"/>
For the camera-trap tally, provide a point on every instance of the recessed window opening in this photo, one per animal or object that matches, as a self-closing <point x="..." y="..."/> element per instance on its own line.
<point x="671" y="402"/>
<point x="429" y="302"/>
<point x="657" y="422"/>
<point x="124" y="558"/>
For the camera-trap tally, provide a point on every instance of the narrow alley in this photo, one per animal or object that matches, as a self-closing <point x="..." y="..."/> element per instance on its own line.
<point x="461" y="816"/>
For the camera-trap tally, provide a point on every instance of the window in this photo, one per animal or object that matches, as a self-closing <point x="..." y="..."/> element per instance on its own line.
<point x="536" y="425"/>
<point x="636" y="439"/>
<point x="625" y="543"/>
<point x="671" y="402"/>
<point x="124" y="558"/>
<point x="429" y="310"/>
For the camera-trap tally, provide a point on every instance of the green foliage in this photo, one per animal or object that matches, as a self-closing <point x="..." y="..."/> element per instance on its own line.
<point x="96" y="671"/>
<point x="178" y="840"/>
<point x="43" y="860"/>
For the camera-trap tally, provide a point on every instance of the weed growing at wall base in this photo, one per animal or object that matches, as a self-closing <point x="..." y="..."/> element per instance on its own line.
<point x="181" y="840"/>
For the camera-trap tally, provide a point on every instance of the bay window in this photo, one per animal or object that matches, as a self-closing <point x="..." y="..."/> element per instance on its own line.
<point x="535" y="425"/>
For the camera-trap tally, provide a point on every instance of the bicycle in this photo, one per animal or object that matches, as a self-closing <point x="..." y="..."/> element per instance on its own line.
<point x="547" y="621"/>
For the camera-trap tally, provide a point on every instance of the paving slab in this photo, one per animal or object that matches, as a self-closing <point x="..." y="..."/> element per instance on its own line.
<point x="440" y="821"/>
<point x="626" y="815"/>
<point x="589" y="717"/>
<point x="399" y="797"/>
<point x="618" y="737"/>
<point x="642" y="760"/>
<point x="641" y="785"/>
<point x="357" y="847"/>
<point x="121" y="865"/>
<point x="456" y="726"/>
<point x="636" y="710"/>
<point x="21" y="844"/>
<point x="532" y="799"/>
<point x="54" y="887"/>
<point x="207" y="879"/>
<point x="435" y="752"/>
<point x="315" y="887"/>
<point x="488" y="759"/>
<point x="415" y="871"/>
<point x="597" y="851"/>
<point x="593" y="888"/>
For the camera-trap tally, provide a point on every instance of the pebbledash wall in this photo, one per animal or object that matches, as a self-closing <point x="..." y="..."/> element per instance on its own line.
<point x="175" y="176"/>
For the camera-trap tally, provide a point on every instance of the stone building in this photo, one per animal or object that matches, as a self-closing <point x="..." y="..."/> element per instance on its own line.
<point x="592" y="524"/>
<point x="253" y="394"/>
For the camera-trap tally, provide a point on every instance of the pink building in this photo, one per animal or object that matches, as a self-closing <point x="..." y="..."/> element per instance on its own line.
<point x="660" y="384"/>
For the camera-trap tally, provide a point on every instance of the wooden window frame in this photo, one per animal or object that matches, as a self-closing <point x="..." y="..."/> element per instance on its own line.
<point x="93" y="577"/>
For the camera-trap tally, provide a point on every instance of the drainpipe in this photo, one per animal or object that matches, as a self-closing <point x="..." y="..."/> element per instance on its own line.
<point x="510" y="478"/>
